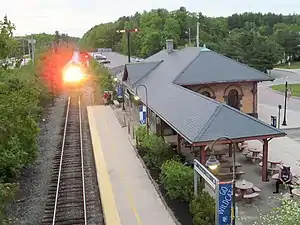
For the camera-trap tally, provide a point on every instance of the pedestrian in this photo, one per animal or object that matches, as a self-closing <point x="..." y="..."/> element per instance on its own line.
<point x="285" y="177"/>
<point x="289" y="93"/>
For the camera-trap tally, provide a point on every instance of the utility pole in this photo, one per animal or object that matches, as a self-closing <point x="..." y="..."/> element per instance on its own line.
<point x="31" y="48"/>
<point x="128" y="32"/>
<point x="198" y="32"/>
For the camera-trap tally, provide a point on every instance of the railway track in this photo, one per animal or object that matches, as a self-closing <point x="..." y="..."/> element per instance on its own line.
<point x="66" y="203"/>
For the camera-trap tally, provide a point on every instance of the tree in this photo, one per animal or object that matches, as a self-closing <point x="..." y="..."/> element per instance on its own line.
<point x="230" y="36"/>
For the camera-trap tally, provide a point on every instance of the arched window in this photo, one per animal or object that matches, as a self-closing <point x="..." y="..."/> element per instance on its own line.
<point x="233" y="99"/>
<point x="206" y="93"/>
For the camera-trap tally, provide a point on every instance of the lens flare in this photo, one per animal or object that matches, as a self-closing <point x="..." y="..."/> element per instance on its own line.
<point x="73" y="74"/>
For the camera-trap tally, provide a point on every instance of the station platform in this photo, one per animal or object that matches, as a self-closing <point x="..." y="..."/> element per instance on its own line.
<point x="128" y="197"/>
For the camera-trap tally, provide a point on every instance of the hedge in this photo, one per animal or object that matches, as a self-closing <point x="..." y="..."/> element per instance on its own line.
<point x="177" y="179"/>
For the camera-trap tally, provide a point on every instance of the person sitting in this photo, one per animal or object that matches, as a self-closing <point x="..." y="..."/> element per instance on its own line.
<point x="285" y="177"/>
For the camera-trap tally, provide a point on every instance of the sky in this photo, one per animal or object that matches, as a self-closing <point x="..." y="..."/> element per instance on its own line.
<point x="75" y="17"/>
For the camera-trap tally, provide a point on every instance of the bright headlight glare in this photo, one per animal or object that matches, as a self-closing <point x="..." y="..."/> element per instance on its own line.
<point x="73" y="74"/>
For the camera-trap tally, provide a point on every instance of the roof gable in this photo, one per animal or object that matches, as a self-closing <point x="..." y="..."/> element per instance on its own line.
<point x="229" y="122"/>
<point x="211" y="67"/>
<point x="136" y="71"/>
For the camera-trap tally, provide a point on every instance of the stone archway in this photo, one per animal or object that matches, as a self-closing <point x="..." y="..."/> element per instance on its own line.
<point x="206" y="91"/>
<point x="233" y="96"/>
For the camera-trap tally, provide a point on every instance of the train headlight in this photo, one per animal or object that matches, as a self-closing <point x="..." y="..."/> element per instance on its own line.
<point x="73" y="74"/>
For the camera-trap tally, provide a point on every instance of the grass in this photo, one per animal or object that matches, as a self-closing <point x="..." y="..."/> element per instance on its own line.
<point x="294" y="65"/>
<point x="294" y="87"/>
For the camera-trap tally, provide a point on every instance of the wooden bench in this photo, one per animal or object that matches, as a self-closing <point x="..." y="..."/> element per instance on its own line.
<point x="116" y="103"/>
<point x="256" y="189"/>
<point x="251" y="196"/>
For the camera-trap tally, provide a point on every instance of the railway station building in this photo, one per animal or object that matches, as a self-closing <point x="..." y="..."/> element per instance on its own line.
<point x="194" y="96"/>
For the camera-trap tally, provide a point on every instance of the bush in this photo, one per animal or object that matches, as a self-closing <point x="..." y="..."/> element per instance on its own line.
<point x="178" y="180"/>
<point x="202" y="208"/>
<point x="156" y="151"/>
<point x="140" y="133"/>
<point x="102" y="75"/>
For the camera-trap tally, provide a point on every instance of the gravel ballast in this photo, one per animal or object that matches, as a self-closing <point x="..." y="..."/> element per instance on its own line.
<point x="29" y="206"/>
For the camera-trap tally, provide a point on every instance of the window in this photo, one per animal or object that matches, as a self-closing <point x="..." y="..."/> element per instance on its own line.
<point x="206" y="93"/>
<point x="233" y="99"/>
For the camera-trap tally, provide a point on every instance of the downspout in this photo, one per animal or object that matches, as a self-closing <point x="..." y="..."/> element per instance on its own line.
<point x="254" y="102"/>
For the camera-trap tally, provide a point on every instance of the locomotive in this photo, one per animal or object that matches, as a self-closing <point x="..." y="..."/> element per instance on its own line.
<point x="74" y="73"/>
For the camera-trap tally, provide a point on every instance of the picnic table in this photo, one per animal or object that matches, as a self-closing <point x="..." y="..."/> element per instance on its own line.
<point x="253" y="154"/>
<point x="246" y="190"/>
<point x="273" y="166"/>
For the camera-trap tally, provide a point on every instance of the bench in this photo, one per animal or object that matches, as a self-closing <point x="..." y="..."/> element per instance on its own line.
<point x="253" y="158"/>
<point x="116" y="103"/>
<point x="256" y="189"/>
<point x="251" y="196"/>
<point x="238" y="175"/>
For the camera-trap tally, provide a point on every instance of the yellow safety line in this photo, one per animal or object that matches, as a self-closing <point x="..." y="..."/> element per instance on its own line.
<point x="109" y="207"/>
<point x="128" y="193"/>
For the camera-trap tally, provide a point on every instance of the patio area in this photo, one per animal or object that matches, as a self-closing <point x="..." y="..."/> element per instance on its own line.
<point x="248" y="168"/>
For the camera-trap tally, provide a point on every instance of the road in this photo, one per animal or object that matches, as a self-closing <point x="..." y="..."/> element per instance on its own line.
<point x="269" y="100"/>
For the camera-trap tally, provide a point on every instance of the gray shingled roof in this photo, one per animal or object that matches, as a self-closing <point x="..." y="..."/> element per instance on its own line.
<point x="138" y="70"/>
<point x="211" y="67"/>
<point x="196" y="117"/>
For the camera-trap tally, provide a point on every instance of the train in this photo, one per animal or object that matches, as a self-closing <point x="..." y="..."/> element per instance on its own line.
<point x="75" y="73"/>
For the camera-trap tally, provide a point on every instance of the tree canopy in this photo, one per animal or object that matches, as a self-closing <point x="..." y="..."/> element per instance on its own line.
<point x="259" y="40"/>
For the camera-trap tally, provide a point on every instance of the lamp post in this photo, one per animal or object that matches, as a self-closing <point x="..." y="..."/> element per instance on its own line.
<point x="213" y="163"/>
<point x="136" y="97"/>
<point x="284" y="111"/>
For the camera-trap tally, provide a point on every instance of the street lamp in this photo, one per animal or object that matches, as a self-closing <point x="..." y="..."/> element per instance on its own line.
<point x="213" y="163"/>
<point x="284" y="111"/>
<point x="136" y="97"/>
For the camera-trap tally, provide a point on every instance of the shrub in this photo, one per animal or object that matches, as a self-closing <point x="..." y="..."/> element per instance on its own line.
<point x="178" y="180"/>
<point x="141" y="133"/>
<point x="156" y="151"/>
<point x="288" y="214"/>
<point x="202" y="208"/>
<point x="102" y="75"/>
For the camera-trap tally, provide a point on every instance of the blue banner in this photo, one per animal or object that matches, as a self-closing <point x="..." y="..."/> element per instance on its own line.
<point x="225" y="203"/>
<point x="143" y="114"/>
<point x="120" y="91"/>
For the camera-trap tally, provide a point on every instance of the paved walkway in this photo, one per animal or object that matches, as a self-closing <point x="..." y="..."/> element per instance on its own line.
<point x="282" y="149"/>
<point x="128" y="196"/>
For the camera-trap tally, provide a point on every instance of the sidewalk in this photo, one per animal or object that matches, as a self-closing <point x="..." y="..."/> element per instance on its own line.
<point x="292" y="117"/>
<point x="128" y="196"/>
<point x="282" y="149"/>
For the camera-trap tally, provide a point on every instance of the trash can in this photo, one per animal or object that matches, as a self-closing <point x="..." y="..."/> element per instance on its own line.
<point x="274" y="121"/>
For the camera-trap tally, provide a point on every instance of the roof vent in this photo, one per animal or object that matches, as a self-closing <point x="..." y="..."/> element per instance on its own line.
<point x="170" y="46"/>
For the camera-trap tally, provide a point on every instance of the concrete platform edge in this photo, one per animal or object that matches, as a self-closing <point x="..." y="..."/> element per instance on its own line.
<point x="154" y="184"/>
<point x="109" y="208"/>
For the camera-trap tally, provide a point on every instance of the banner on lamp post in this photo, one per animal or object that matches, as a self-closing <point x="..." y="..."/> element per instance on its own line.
<point x="225" y="203"/>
